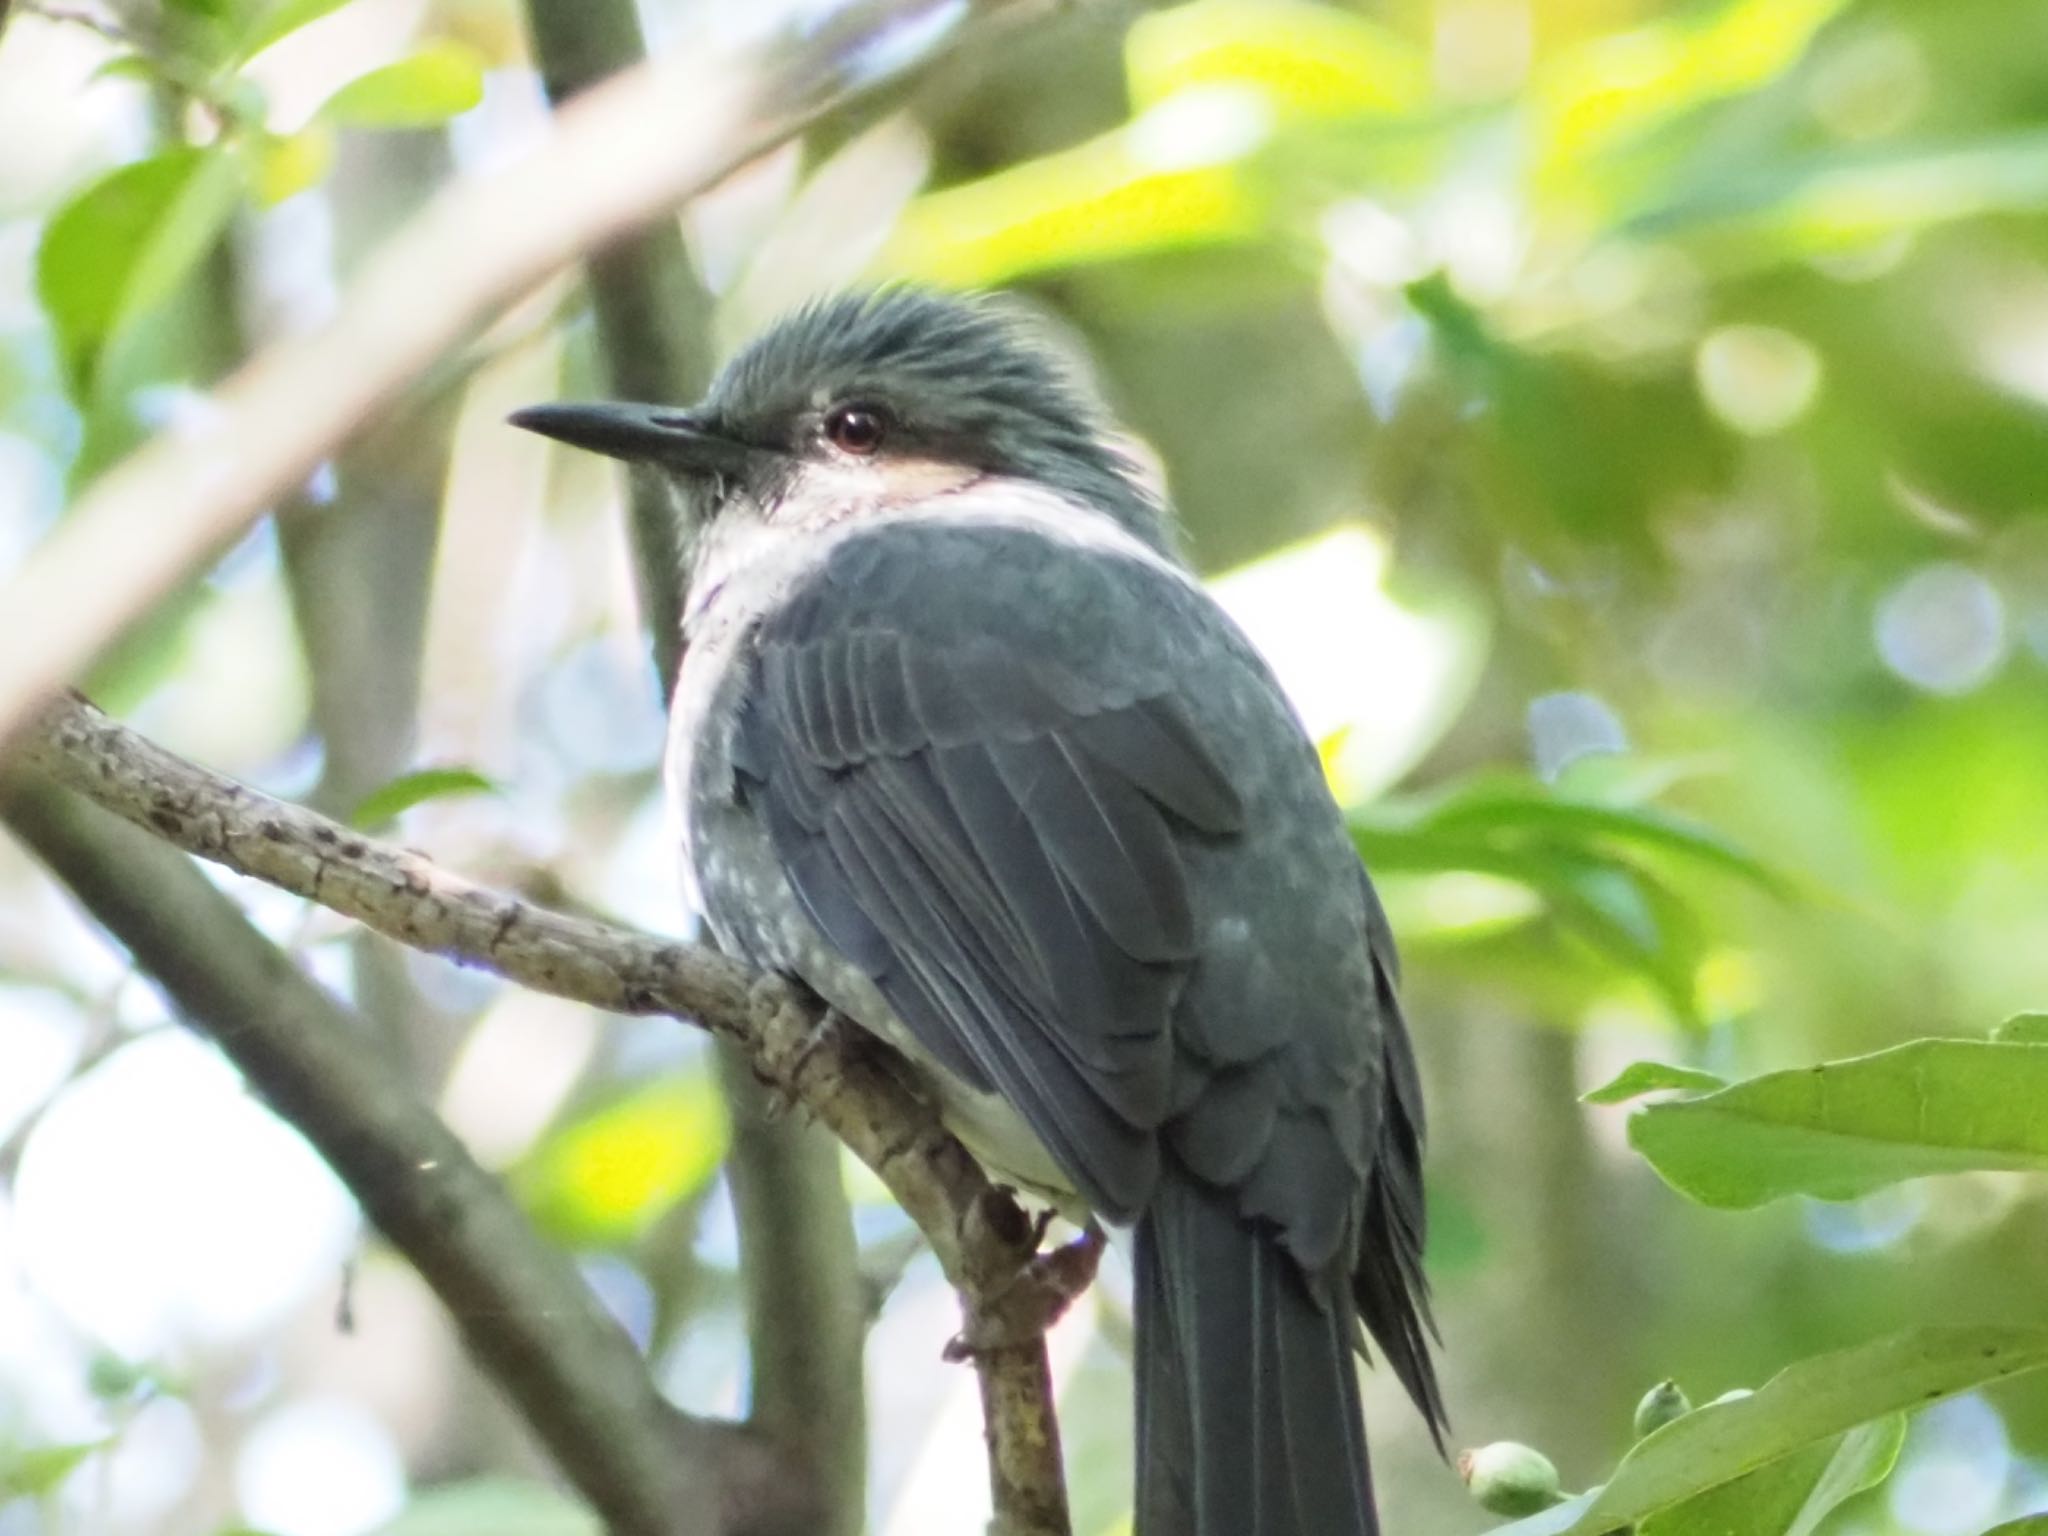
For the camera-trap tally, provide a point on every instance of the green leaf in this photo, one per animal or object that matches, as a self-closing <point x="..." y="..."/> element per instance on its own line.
<point x="287" y="165"/>
<point x="1641" y="1077"/>
<point x="1620" y="84"/>
<point x="2026" y="1525"/>
<point x="124" y="244"/>
<point x="604" y="1177"/>
<point x="278" y="21"/>
<point x="387" y="802"/>
<point x="34" y="1472"/>
<point x="1098" y="201"/>
<point x="1804" y="1404"/>
<point x="1839" y="1130"/>
<point x="1790" y="1497"/>
<point x="1532" y="813"/>
<point x="1844" y="197"/>
<point x="493" y="1506"/>
<point x="1308" y="59"/>
<point x="2023" y="1029"/>
<point x="440" y="81"/>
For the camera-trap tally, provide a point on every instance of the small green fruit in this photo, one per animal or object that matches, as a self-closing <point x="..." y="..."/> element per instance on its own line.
<point x="1660" y="1405"/>
<point x="1509" y="1479"/>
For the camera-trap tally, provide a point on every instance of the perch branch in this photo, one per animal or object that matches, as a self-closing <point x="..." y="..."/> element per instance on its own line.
<point x="981" y="1239"/>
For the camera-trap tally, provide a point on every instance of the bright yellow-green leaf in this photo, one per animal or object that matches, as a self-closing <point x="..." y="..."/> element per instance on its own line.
<point x="1307" y="60"/>
<point x="1211" y="80"/>
<point x="124" y="244"/>
<point x="1091" y="203"/>
<point x="1591" y="96"/>
<point x="289" y="165"/>
<point x="604" y="1177"/>
<point x="442" y="80"/>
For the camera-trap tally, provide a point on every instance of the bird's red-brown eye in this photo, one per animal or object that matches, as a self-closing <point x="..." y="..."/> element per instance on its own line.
<point x="855" y="429"/>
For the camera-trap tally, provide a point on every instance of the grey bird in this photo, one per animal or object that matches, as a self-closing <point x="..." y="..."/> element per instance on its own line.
<point x="960" y="743"/>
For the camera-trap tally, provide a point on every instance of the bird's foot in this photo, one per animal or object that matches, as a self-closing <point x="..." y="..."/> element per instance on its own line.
<point x="1035" y="1298"/>
<point x="823" y="1036"/>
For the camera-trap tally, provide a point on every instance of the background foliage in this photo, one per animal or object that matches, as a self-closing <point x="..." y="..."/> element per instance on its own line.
<point x="1625" y="422"/>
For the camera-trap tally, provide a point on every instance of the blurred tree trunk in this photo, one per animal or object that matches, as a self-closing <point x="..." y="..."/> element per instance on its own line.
<point x="800" y="1277"/>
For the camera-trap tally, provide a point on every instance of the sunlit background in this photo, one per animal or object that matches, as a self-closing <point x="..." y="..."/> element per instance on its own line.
<point x="1606" y="403"/>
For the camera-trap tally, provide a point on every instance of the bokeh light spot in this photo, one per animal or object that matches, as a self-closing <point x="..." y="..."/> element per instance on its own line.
<point x="1757" y="378"/>
<point x="320" y="1467"/>
<point x="1942" y="629"/>
<point x="160" y="1207"/>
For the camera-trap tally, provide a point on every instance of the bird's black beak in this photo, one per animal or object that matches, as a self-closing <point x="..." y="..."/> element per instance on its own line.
<point x="642" y="434"/>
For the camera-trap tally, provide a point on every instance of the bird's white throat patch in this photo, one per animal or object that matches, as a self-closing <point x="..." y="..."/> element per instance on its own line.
<point x="750" y="554"/>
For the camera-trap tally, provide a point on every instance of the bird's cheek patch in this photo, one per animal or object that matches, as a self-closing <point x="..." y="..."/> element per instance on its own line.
<point x="906" y="482"/>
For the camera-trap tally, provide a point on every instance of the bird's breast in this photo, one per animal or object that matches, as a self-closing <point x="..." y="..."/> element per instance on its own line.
<point x="732" y="876"/>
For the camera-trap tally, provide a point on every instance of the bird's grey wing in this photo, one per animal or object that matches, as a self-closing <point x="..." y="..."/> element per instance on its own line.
<point x="977" y="768"/>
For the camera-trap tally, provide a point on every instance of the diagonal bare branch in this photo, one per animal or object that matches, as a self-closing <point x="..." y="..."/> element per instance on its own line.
<point x="618" y="156"/>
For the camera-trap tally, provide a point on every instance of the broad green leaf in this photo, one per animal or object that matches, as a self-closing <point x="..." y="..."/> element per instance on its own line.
<point x="1641" y="1077"/>
<point x="1813" y="1401"/>
<point x="279" y="20"/>
<point x="1311" y="60"/>
<point x="604" y="1177"/>
<point x="440" y="81"/>
<point x="34" y="1472"/>
<point x="2023" y="1029"/>
<point x="1839" y="1130"/>
<point x="124" y="244"/>
<point x="387" y="802"/>
<point x="2026" y="1525"/>
<point x="493" y="1506"/>
<point x="1791" y="1496"/>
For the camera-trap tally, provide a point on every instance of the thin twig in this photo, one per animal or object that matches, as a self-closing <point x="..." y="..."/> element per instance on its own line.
<point x="980" y="1238"/>
<point x="75" y="16"/>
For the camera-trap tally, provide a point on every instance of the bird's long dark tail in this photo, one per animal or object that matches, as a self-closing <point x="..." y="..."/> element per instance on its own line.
<point x="1249" y="1421"/>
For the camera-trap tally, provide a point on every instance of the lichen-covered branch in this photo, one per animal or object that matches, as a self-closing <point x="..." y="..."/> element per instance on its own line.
<point x="854" y="1087"/>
